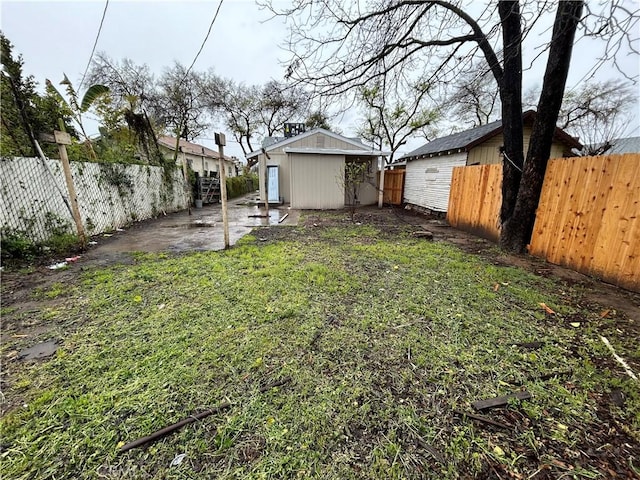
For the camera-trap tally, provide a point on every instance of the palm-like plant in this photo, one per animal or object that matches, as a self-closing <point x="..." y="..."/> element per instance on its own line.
<point x="77" y="109"/>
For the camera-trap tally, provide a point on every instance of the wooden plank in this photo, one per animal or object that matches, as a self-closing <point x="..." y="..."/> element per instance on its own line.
<point x="393" y="186"/>
<point x="475" y="198"/>
<point x="483" y="419"/>
<point x="588" y="218"/>
<point x="595" y="211"/>
<point x="626" y="216"/>
<point x="500" y="401"/>
<point x="47" y="137"/>
<point x="62" y="138"/>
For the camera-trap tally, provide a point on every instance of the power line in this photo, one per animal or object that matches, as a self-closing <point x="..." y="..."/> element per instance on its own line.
<point x="205" y="39"/>
<point x="104" y="12"/>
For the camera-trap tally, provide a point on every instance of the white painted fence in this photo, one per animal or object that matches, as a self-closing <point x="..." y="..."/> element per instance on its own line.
<point x="109" y="195"/>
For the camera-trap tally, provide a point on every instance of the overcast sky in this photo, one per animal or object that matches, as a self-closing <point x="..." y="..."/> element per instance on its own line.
<point x="57" y="37"/>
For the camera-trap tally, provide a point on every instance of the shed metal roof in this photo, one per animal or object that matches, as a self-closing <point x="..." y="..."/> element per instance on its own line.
<point x="269" y="144"/>
<point x="336" y="151"/>
<point x="470" y="138"/>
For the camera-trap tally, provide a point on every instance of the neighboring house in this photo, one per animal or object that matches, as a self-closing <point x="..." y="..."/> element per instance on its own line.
<point x="200" y="159"/>
<point x="624" y="145"/>
<point x="307" y="170"/>
<point x="430" y="167"/>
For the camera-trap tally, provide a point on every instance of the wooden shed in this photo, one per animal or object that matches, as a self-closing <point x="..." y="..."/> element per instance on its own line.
<point x="307" y="170"/>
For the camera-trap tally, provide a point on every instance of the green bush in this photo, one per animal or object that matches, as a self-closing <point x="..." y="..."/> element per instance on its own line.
<point x="240" y="185"/>
<point x="15" y="245"/>
<point x="63" y="243"/>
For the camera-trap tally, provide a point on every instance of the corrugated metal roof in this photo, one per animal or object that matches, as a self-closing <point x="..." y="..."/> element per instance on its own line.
<point x="474" y="136"/>
<point x="625" y="145"/>
<point x="336" y="151"/>
<point x="277" y="142"/>
<point x="456" y="140"/>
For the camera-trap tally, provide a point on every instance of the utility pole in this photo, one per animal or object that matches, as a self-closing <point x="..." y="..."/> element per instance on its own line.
<point x="63" y="139"/>
<point x="221" y="142"/>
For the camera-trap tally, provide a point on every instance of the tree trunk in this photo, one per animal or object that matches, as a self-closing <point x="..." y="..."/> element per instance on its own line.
<point x="516" y="231"/>
<point x="511" y="96"/>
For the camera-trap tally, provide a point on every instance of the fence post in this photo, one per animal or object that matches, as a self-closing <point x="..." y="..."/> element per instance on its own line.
<point x="62" y="140"/>
<point x="221" y="142"/>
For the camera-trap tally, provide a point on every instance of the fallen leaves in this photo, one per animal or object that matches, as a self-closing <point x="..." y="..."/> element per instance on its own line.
<point x="547" y="309"/>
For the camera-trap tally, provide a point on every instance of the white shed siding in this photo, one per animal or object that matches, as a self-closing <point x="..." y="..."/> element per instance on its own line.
<point x="427" y="181"/>
<point x="315" y="181"/>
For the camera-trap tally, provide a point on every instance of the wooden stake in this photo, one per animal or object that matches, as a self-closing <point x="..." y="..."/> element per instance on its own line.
<point x="62" y="140"/>
<point x="221" y="142"/>
<point x="480" y="418"/>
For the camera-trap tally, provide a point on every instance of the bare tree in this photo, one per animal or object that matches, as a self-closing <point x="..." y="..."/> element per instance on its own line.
<point x="340" y="46"/>
<point x="133" y="93"/>
<point x="180" y="108"/>
<point x="595" y="112"/>
<point x="251" y="111"/>
<point x="281" y="103"/>
<point x="393" y="116"/>
<point x="130" y="84"/>
<point x="238" y="104"/>
<point x="476" y="99"/>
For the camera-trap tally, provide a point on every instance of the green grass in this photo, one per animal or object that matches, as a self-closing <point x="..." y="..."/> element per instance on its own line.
<point x="382" y="336"/>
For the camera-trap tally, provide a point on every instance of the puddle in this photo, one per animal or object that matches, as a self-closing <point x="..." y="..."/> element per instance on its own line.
<point x="192" y="225"/>
<point x="40" y="350"/>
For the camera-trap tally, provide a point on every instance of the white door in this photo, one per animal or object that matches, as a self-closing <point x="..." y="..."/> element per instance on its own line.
<point x="273" y="184"/>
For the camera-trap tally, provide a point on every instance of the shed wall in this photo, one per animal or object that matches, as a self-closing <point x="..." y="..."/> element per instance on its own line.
<point x="428" y="180"/>
<point x="315" y="181"/>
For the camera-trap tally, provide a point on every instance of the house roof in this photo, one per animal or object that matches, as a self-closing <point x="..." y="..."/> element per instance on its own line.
<point x="470" y="138"/>
<point x="336" y="151"/>
<point x="271" y="143"/>
<point x="625" y="145"/>
<point x="191" y="148"/>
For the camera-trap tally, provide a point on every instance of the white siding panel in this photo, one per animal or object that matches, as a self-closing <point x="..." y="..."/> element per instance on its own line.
<point x="315" y="181"/>
<point x="427" y="181"/>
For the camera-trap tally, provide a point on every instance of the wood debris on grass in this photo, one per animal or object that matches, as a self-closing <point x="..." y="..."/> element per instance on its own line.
<point x="530" y="345"/>
<point x="483" y="419"/>
<point x="193" y="418"/>
<point x="500" y="401"/>
<point x="546" y="309"/>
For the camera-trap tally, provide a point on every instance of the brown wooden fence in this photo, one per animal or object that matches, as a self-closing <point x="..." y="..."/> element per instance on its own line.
<point x="393" y="186"/>
<point x="588" y="217"/>
<point x="474" y="200"/>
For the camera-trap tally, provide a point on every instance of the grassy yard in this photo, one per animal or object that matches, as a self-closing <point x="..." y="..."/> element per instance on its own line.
<point x="385" y="338"/>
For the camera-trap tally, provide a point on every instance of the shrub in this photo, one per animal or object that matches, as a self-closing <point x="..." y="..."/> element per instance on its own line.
<point x="242" y="184"/>
<point x="15" y="245"/>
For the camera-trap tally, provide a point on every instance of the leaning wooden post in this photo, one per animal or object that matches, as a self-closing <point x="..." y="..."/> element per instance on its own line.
<point x="221" y="142"/>
<point x="62" y="140"/>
